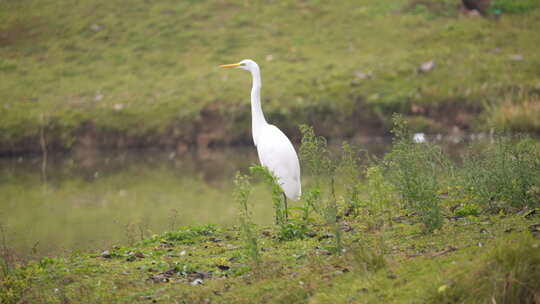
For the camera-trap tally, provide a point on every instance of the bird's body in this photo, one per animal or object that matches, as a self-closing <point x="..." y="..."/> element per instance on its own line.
<point x="275" y="150"/>
<point x="277" y="154"/>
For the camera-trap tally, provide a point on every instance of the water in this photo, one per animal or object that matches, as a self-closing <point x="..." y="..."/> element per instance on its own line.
<point x="89" y="200"/>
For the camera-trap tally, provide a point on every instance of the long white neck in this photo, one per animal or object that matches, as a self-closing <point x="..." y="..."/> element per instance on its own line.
<point x="257" y="116"/>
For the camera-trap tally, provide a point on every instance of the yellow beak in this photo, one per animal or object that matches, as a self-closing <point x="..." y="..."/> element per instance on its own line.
<point x="232" y="65"/>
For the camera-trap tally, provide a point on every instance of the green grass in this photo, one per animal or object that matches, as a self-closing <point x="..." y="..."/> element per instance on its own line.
<point x="148" y="71"/>
<point x="406" y="267"/>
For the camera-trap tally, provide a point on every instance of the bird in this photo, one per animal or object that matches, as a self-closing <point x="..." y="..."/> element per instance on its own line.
<point x="275" y="150"/>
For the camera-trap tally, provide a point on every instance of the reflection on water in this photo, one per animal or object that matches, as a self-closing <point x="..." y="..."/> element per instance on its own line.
<point x="88" y="200"/>
<point x="91" y="199"/>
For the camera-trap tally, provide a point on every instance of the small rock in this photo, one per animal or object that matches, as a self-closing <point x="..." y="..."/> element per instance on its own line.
<point x="417" y="109"/>
<point x="167" y="12"/>
<point x="392" y="276"/>
<point x="118" y="107"/>
<point x="269" y="57"/>
<point x="98" y="97"/>
<point x="360" y="75"/>
<point x="197" y="282"/>
<point x="96" y="27"/>
<point x="215" y="240"/>
<point x="516" y="58"/>
<point x="427" y="66"/>
<point x="183" y="252"/>
<point x="106" y="254"/>
<point x="473" y="13"/>
<point x="324" y="252"/>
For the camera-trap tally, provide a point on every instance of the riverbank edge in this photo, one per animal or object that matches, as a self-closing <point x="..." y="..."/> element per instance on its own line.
<point x="216" y="126"/>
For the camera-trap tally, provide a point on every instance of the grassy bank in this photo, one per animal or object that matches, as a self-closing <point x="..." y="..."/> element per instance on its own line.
<point x="103" y="73"/>
<point x="411" y="227"/>
<point x="470" y="260"/>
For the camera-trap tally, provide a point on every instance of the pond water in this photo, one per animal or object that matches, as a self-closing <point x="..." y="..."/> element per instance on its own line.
<point x="90" y="199"/>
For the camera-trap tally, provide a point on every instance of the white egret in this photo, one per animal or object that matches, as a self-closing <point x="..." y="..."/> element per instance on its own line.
<point x="275" y="150"/>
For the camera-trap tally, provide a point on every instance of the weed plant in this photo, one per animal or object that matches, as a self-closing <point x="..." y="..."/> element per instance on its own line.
<point x="317" y="161"/>
<point x="277" y="194"/>
<point x="504" y="175"/>
<point x="415" y="170"/>
<point x="247" y="227"/>
<point x="380" y="199"/>
<point x="369" y="256"/>
<point x="348" y="172"/>
<point x="290" y="227"/>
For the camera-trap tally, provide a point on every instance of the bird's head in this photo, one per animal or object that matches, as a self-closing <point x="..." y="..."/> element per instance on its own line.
<point x="246" y="64"/>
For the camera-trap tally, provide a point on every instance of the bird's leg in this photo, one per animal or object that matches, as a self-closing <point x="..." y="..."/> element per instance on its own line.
<point x="286" y="210"/>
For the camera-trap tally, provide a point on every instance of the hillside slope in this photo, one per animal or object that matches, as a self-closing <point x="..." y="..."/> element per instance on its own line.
<point x="106" y="73"/>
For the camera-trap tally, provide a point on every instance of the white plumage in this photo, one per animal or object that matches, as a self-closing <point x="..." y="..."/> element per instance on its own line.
<point x="278" y="155"/>
<point x="275" y="150"/>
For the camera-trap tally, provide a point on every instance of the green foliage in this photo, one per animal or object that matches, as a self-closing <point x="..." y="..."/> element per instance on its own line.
<point x="189" y="235"/>
<point x="369" y="257"/>
<point x="468" y="209"/>
<point x="317" y="161"/>
<point x="277" y="193"/>
<point x="315" y="156"/>
<point x="415" y="169"/>
<point x="433" y="8"/>
<point x="510" y="273"/>
<point x="247" y="227"/>
<point x="293" y="230"/>
<point x="381" y="197"/>
<point x="513" y="6"/>
<point x="13" y="285"/>
<point x="505" y="174"/>
<point x="348" y="173"/>
<point x="313" y="200"/>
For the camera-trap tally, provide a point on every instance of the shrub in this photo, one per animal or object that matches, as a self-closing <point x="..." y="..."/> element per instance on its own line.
<point x="505" y="175"/>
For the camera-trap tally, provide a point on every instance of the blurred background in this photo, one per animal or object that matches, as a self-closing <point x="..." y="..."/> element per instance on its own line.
<point x="117" y="123"/>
